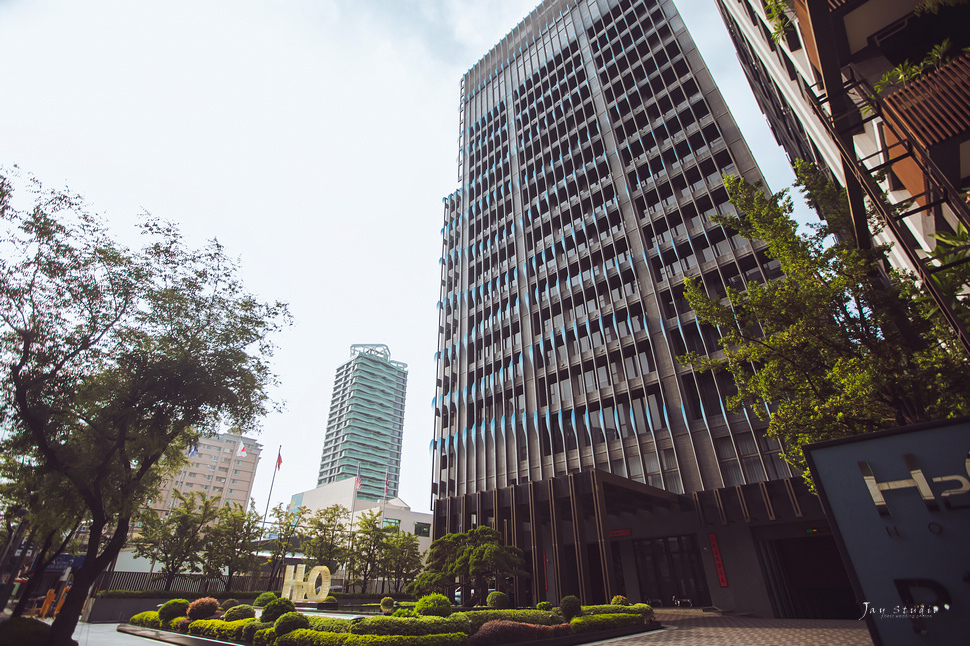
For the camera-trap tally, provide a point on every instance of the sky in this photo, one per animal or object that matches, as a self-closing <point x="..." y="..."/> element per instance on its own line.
<point x="315" y="139"/>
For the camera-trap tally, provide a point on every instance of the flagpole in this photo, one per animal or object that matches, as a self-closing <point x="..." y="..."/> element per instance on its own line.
<point x="276" y="467"/>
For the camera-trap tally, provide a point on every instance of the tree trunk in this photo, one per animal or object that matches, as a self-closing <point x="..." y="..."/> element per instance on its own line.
<point x="94" y="564"/>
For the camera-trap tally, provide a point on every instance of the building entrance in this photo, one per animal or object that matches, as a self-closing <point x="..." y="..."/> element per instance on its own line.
<point x="671" y="567"/>
<point x="807" y="579"/>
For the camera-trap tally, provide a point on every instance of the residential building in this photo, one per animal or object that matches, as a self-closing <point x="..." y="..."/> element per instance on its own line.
<point x="222" y="465"/>
<point x="366" y="424"/>
<point x="822" y="84"/>
<point x="592" y="145"/>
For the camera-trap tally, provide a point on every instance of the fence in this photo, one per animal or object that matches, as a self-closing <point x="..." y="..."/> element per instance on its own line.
<point x="182" y="583"/>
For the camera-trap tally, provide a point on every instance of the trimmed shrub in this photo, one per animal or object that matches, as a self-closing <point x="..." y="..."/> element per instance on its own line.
<point x="478" y="618"/>
<point x="500" y="631"/>
<point x="173" y="609"/>
<point x="264" y="637"/>
<point x="276" y="609"/>
<point x="570" y="606"/>
<point x="264" y="598"/>
<point x="309" y="637"/>
<point x="497" y="600"/>
<point x="228" y="603"/>
<point x="434" y="604"/>
<point x="240" y="611"/>
<point x="456" y="639"/>
<point x="592" y="623"/>
<point x="182" y="625"/>
<point x="608" y="609"/>
<point x="289" y="622"/>
<point x="203" y="608"/>
<point x="147" y="619"/>
<point x="231" y="631"/>
<point x="249" y="630"/>
<point x="204" y="627"/>
<point x="329" y="624"/>
<point x="619" y="600"/>
<point x="22" y="631"/>
<point x="387" y="604"/>
<point x="457" y="623"/>
<point x="544" y="605"/>
<point x="405" y="612"/>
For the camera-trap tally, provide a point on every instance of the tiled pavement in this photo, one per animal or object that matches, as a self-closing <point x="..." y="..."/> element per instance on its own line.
<point x="699" y="628"/>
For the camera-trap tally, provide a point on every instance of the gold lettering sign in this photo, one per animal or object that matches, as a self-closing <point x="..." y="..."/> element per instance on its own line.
<point x="297" y="590"/>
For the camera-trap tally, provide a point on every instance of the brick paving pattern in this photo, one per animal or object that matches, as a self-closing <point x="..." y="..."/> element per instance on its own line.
<point x="699" y="628"/>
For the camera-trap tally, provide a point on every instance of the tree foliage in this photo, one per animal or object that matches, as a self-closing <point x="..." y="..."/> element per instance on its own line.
<point x="476" y="556"/>
<point x="230" y="545"/>
<point x="401" y="560"/>
<point x="367" y="550"/>
<point x="114" y="359"/>
<point x="288" y="532"/>
<point x="837" y="347"/>
<point x="176" y="539"/>
<point x="326" y="541"/>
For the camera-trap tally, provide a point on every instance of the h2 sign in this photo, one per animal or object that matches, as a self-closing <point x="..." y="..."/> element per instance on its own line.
<point x="899" y="505"/>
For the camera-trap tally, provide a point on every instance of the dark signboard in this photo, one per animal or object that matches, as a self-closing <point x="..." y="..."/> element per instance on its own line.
<point x="899" y="502"/>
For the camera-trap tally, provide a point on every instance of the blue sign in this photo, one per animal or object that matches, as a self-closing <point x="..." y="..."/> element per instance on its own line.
<point x="899" y="502"/>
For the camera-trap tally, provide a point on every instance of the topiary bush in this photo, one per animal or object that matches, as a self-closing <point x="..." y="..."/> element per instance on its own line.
<point x="228" y="603"/>
<point x="275" y="609"/>
<point x="405" y="612"/>
<point x="249" y="630"/>
<point x="544" y="605"/>
<point x="619" y="600"/>
<point x="309" y="637"/>
<point x="239" y="611"/>
<point x="592" y="623"/>
<point x="500" y="631"/>
<point x="290" y="621"/>
<point x="535" y="617"/>
<point x="204" y="627"/>
<point x="21" y="631"/>
<point x="329" y="624"/>
<point x="570" y="606"/>
<point x="147" y="619"/>
<point x="264" y="637"/>
<point x="203" y="608"/>
<point x="264" y="598"/>
<point x="387" y="604"/>
<point x="431" y="625"/>
<point x="497" y="600"/>
<point x="434" y="604"/>
<point x="330" y="599"/>
<point x="182" y="625"/>
<point x="173" y="609"/>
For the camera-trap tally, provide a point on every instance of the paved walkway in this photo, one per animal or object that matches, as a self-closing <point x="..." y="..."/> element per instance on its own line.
<point x="699" y="628"/>
<point x="694" y="627"/>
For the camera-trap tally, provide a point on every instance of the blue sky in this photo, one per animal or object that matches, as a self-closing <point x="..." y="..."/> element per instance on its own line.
<point x="314" y="138"/>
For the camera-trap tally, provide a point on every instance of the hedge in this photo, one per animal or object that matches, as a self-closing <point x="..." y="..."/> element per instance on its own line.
<point x="457" y="623"/>
<point x="304" y="637"/>
<point x="500" y="631"/>
<point x="147" y="619"/>
<point x="606" y="609"/>
<point x="593" y="623"/>
<point x="249" y="630"/>
<point x="535" y="617"/>
<point x="227" y="631"/>
<point x="265" y="637"/>
<point x="329" y="624"/>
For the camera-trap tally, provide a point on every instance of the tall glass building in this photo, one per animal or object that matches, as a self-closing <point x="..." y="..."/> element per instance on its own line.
<point x="366" y="423"/>
<point x="592" y="145"/>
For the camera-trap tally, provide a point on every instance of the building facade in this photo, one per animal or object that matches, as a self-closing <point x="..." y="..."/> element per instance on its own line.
<point x="223" y="465"/>
<point x="366" y="424"/>
<point x="592" y="145"/>
<point x="819" y="72"/>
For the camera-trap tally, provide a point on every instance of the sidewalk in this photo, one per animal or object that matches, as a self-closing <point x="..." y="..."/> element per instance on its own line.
<point x="699" y="628"/>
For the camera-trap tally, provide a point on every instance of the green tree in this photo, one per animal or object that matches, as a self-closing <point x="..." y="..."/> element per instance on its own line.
<point x="402" y="559"/>
<point x="476" y="556"/>
<point x="113" y="360"/>
<point x="840" y="347"/>
<point x="367" y="549"/>
<point x="288" y="533"/>
<point x="231" y="542"/>
<point x="176" y="539"/>
<point x="326" y="537"/>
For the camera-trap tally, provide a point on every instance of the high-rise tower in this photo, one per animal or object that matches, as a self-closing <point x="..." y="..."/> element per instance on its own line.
<point x="592" y="146"/>
<point x="366" y="423"/>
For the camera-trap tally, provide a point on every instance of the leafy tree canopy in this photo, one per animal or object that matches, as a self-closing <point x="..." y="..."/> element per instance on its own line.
<point x="837" y="347"/>
<point x="113" y="360"/>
